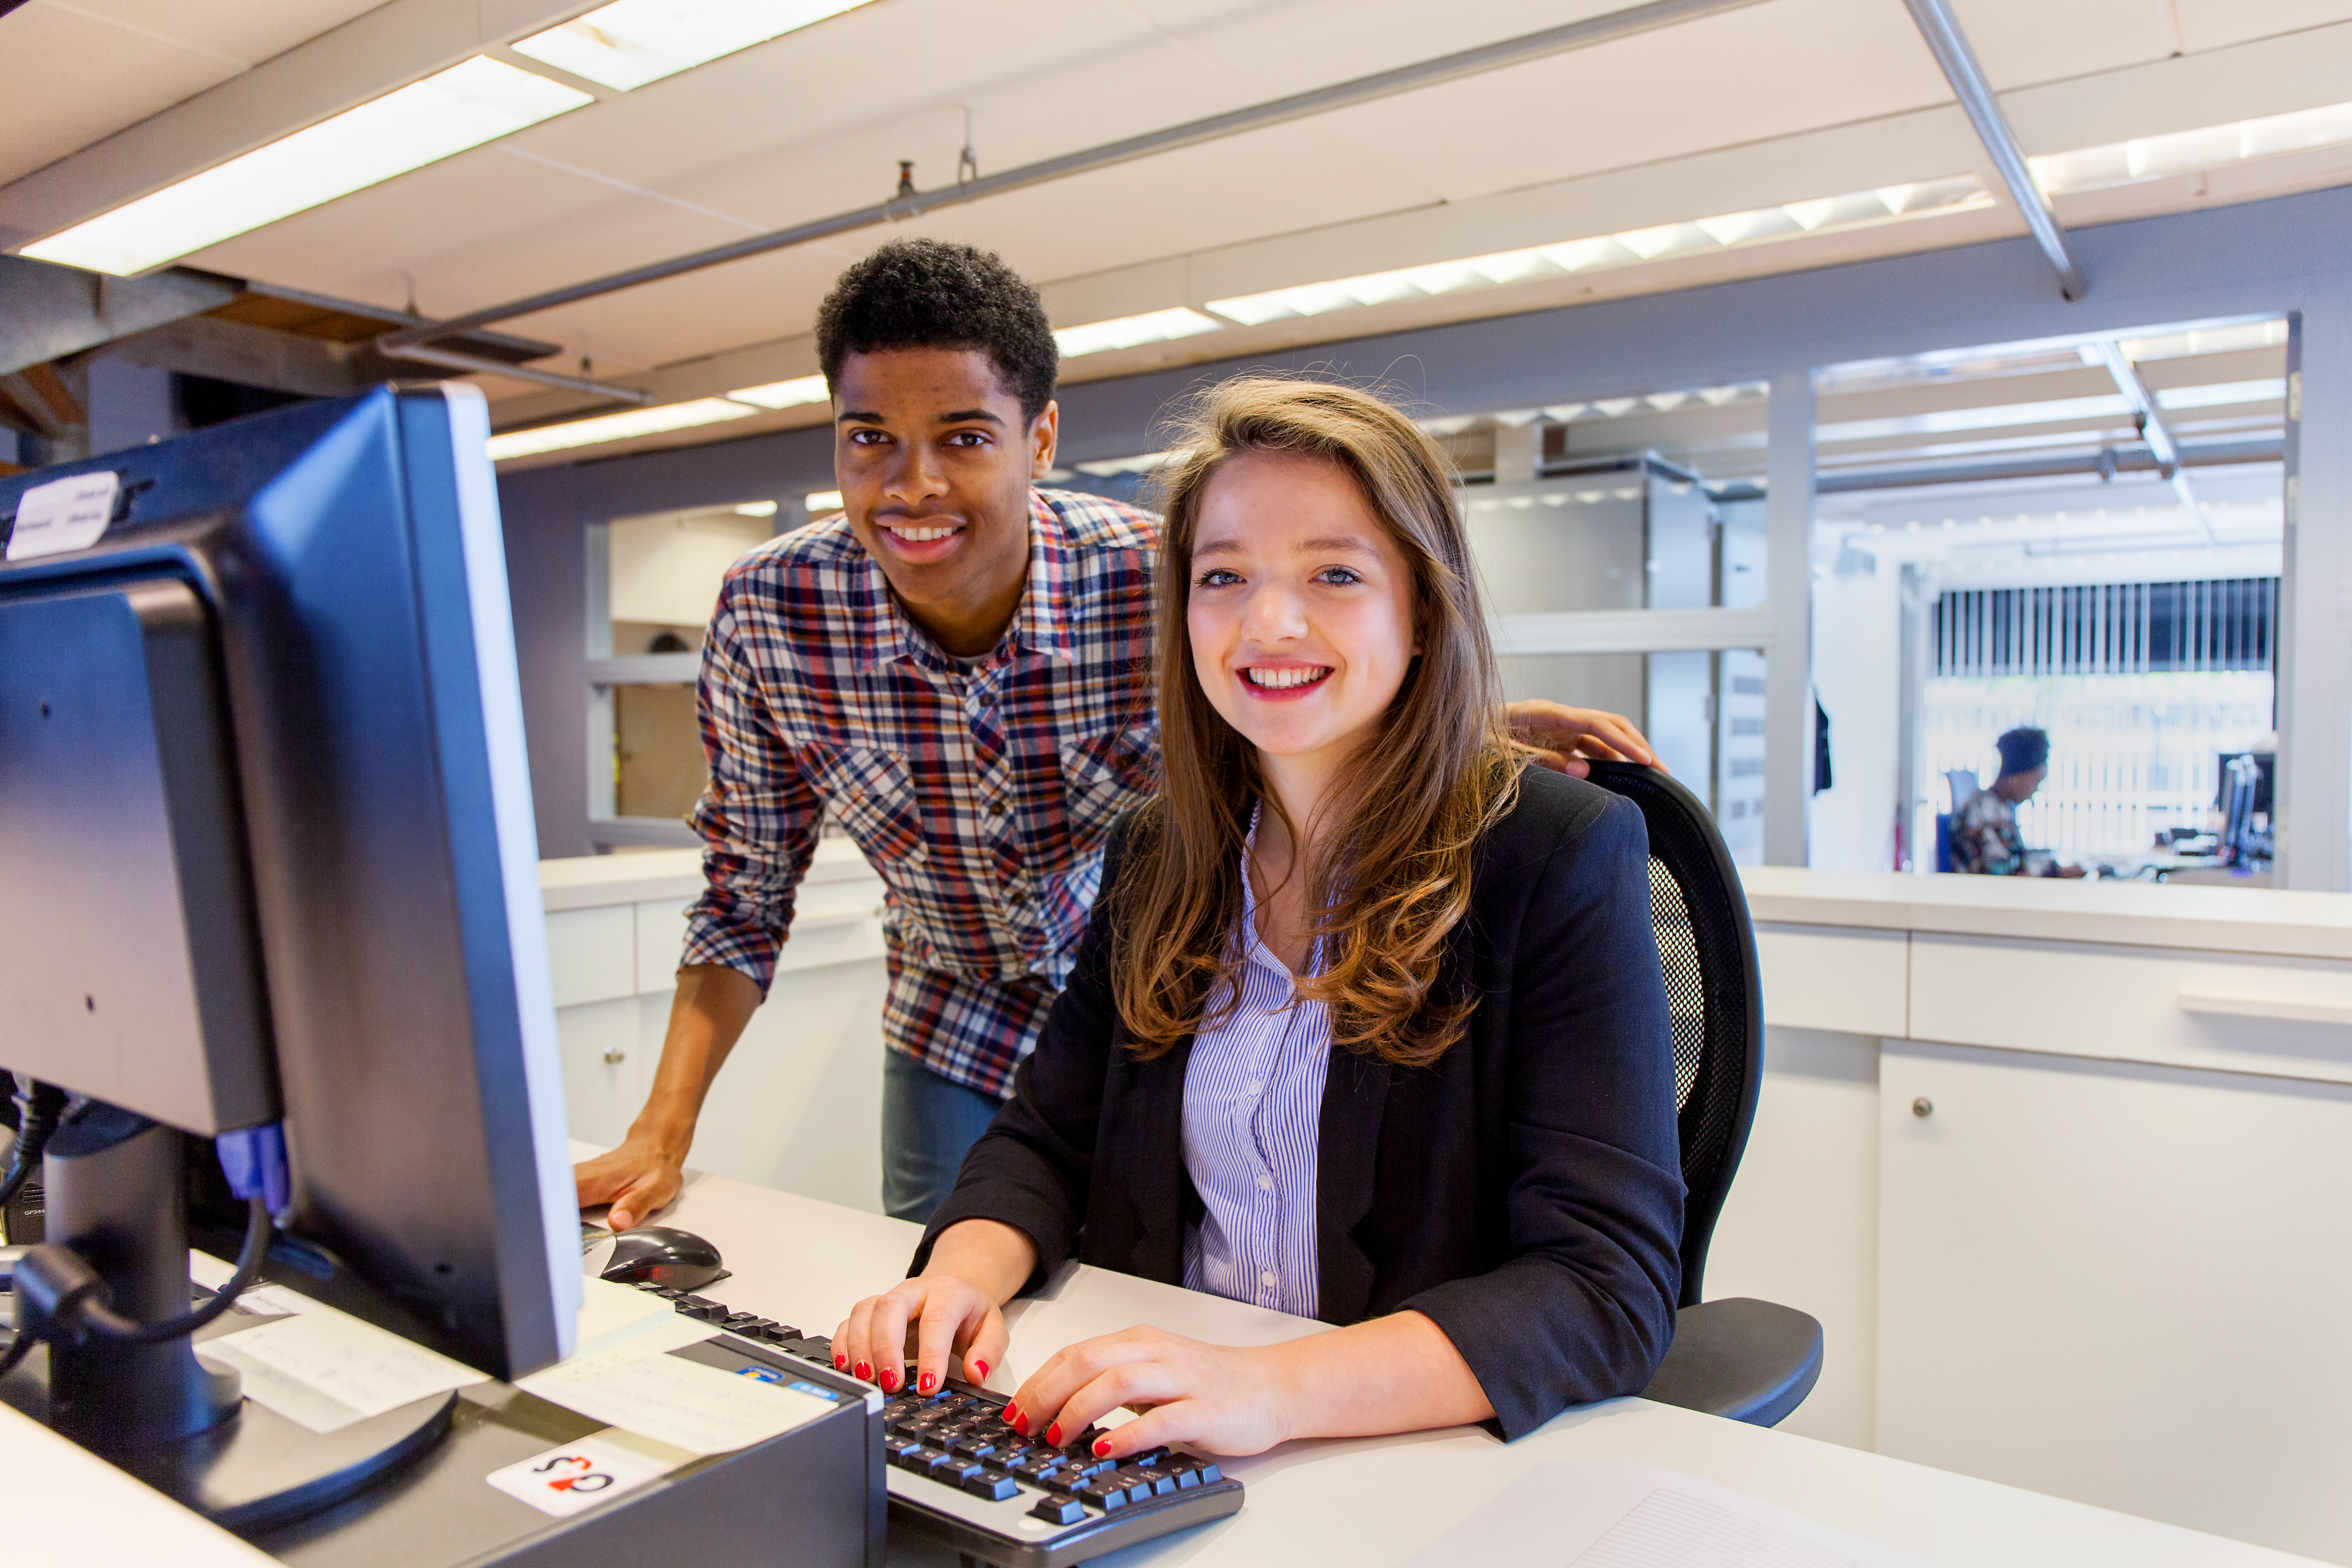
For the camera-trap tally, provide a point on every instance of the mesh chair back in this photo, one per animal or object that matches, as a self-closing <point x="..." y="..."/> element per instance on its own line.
<point x="1707" y="949"/>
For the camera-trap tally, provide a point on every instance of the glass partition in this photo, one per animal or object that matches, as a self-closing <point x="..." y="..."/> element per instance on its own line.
<point x="2078" y="535"/>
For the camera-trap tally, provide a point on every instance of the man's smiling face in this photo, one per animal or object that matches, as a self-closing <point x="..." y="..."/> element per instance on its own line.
<point x="935" y="462"/>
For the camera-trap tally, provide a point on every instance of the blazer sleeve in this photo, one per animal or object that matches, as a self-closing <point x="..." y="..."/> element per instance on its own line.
<point x="1034" y="1165"/>
<point x="1585" y="1307"/>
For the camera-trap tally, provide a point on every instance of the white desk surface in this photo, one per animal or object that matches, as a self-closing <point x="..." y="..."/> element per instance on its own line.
<point x="1378" y="1500"/>
<point x="2054" y="909"/>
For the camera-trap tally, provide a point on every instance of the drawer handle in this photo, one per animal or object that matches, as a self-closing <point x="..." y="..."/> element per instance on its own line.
<point x="2230" y="1005"/>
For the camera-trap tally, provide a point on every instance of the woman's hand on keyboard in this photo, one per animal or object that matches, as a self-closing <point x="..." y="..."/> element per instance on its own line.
<point x="951" y="1307"/>
<point x="1215" y="1397"/>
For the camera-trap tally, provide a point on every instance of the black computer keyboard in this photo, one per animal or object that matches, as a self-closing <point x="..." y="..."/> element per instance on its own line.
<point x="961" y="1476"/>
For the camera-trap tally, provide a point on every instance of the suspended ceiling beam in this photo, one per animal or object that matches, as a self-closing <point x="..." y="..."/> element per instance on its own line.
<point x="2152" y="428"/>
<point x="1602" y="29"/>
<point x="1950" y="47"/>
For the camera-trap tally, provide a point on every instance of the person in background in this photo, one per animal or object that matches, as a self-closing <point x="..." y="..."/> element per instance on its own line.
<point x="960" y="666"/>
<point x="1368" y="1025"/>
<point x="1985" y="840"/>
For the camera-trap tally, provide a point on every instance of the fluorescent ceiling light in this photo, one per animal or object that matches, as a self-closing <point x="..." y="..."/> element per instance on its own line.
<point x="618" y="426"/>
<point x="1127" y="332"/>
<point x="1861" y="209"/>
<point x="1111" y="468"/>
<point x="2184" y="152"/>
<point x="421" y="124"/>
<point x="784" y="394"/>
<point x="632" y="42"/>
<point x="756" y="509"/>
<point x="822" y="502"/>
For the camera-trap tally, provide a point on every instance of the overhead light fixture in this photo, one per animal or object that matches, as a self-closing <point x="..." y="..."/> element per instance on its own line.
<point x="2186" y="152"/>
<point x="421" y="124"/>
<point x="603" y="427"/>
<point x="632" y="42"/>
<point x="790" y="394"/>
<point x="1127" y="332"/>
<point x="822" y="502"/>
<point x="1143" y="463"/>
<point x="756" y="509"/>
<point x="1860" y="209"/>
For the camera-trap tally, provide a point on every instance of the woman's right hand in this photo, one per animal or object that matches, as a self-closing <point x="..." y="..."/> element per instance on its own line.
<point x="954" y="1319"/>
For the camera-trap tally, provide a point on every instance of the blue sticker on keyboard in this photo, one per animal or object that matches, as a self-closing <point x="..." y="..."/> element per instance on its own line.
<point x="763" y="1373"/>
<point x="827" y="1395"/>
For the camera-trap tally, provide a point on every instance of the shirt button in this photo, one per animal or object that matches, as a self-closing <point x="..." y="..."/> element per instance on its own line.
<point x="1266" y="1183"/>
<point x="1267" y="1278"/>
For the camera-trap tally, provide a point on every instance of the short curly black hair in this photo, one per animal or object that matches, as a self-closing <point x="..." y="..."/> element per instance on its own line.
<point x="929" y="293"/>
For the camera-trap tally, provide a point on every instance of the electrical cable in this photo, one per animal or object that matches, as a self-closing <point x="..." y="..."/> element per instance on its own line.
<point x="39" y="1108"/>
<point x="107" y="1323"/>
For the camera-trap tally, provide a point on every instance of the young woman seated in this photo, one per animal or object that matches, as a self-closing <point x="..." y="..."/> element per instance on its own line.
<point x="1368" y="1025"/>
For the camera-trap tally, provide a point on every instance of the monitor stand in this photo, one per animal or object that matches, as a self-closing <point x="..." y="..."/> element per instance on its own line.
<point x="116" y="1196"/>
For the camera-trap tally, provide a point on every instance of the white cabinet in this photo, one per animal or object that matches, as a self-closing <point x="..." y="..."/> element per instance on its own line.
<point x="606" y="1071"/>
<point x="2120" y="1283"/>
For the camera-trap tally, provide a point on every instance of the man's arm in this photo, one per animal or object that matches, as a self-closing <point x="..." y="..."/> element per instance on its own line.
<point x="643" y="1174"/>
<point x="758" y="821"/>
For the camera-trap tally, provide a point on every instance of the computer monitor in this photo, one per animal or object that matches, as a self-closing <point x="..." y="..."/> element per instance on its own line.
<point x="266" y="848"/>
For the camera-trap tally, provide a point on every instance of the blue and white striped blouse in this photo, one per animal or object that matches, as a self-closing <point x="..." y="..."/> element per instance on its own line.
<point x="1252" y="1105"/>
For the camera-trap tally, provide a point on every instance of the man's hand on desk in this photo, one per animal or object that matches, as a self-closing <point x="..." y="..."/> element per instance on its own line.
<point x="639" y="1179"/>
<point x="1566" y="736"/>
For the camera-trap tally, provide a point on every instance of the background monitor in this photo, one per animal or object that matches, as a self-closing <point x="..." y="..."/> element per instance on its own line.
<point x="267" y="845"/>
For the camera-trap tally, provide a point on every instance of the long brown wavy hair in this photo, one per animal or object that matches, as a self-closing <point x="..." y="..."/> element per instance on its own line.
<point x="1390" y="867"/>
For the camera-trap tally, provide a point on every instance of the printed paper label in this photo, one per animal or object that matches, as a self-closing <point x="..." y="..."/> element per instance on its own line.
<point x="568" y="1480"/>
<point x="64" y="514"/>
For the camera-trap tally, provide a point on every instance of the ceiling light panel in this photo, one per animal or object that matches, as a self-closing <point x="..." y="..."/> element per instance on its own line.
<point x="632" y="42"/>
<point x="792" y="394"/>
<point x="1127" y="332"/>
<point x="822" y="503"/>
<point x="421" y="124"/>
<point x="1860" y="209"/>
<point x="2185" y="151"/>
<point x="619" y="426"/>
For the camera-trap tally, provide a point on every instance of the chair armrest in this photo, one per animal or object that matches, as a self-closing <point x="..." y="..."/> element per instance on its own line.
<point x="1739" y="1358"/>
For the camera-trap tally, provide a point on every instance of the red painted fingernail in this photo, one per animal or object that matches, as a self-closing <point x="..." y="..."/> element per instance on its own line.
<point x="1019" y="1422"/>
<point x="979" y="1370"/>
<point x="889" y="1382"/>
<point x="1054" y="1436"/>
<point x="929" y="1380"/>
<point x="1102" y="1447"/>
<point x="840" y="1362"/>
<point x="864" y="1370"/>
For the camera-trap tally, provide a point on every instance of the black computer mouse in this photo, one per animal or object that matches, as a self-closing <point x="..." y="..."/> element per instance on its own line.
<point x="662" y="1255"/>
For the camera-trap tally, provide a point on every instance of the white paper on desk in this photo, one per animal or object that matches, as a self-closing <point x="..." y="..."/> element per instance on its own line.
<point x="675" y="1401"/>
<point x="1574" y="1514"/>
<point x="326" y="1369"/>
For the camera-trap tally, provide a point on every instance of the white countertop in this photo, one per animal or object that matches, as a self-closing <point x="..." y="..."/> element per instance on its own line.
<point x="1377" y="1500"/>
<point x="2047" y="908"/>
<point x="644" y="875"/>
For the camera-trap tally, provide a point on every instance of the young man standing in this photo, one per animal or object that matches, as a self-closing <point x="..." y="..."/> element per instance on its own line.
<point x="961" y="665"/>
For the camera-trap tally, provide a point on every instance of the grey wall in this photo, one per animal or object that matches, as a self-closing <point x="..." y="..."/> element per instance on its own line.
<point x="2284" y="255"/>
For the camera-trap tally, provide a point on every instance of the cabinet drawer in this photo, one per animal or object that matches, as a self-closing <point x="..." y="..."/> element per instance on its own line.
<point x="2225" y="1012"/>
<point x="1846" y="978"/>
<point x="592" y="955"/>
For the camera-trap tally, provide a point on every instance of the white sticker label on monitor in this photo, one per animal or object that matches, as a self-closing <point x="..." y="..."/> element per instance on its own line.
<point x="63" y="514"/>
<point x="567" y="1480"/>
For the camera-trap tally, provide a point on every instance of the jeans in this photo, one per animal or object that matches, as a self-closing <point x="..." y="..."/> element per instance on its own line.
<point x="927" y="1123"/>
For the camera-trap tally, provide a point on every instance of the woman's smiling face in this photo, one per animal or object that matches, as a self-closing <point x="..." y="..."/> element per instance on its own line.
<point x="1300" y="607"/>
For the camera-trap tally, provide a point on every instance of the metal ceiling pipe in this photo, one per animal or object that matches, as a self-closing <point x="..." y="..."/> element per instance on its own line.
<point x="1950" y="47"/>
<point x="2152" y="428"/>
<point x="1602" y="29"/>
<point x="449" y="358"/>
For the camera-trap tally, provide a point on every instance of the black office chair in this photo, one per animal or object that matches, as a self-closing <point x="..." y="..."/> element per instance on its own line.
<point x="1750" y="1360"/>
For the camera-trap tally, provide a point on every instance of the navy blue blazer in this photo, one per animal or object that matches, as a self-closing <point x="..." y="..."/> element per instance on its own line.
<point x="1524" y="1192"/>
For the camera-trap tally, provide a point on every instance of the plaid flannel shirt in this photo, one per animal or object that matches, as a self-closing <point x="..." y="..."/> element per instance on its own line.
<point x="982" y="790"/>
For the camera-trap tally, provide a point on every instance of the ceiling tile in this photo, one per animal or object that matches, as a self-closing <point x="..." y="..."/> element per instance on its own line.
<point x="2215" y="23"/>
